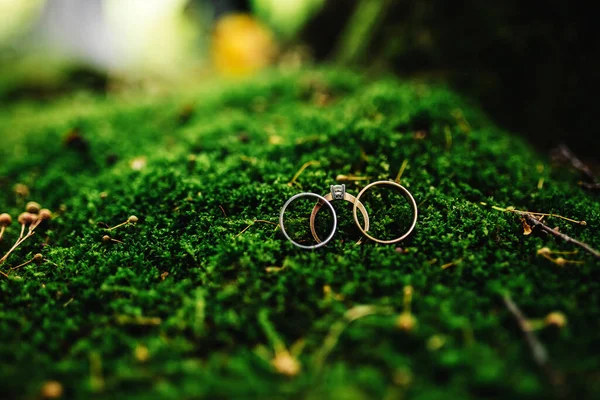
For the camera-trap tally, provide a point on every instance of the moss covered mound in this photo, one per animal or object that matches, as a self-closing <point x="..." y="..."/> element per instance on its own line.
<point x="188" y="307"/>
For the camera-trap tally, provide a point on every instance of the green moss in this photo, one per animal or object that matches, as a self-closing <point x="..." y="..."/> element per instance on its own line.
<point x="79" y="318"/>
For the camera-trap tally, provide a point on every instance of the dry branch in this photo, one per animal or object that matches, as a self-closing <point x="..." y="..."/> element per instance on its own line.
<point x="539" y="352"/>
<point x="576" y="162"/>
<point x="530" y="218"/>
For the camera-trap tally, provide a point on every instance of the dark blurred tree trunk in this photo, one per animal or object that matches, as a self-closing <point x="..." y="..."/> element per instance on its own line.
<point x="533" y="65"/>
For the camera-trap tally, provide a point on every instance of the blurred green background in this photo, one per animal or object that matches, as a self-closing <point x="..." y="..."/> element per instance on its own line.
<point x="531" y="65"/>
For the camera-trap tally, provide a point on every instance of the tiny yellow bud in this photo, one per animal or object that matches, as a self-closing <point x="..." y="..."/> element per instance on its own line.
<point x="52" y="390"/>
<point x="21" y="190"/>
<point x="132" y="219"/>
<point x="406" y="322"/>
<point x="561" y="261"/>
<point x="286" y="364"/>
<point x="544" y="251"/>
<point x="556" y="319"/>
<point x="141" y="353"/>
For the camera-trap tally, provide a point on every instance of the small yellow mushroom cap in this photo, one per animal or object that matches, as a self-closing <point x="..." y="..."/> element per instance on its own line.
<point x="132" y="219"/>
<point x="5" y="219"/>
<point x="45" y="214"/>
<point x="21" y="190"/>
<point x="33" y="207"/>
<point x="27" y="218"/>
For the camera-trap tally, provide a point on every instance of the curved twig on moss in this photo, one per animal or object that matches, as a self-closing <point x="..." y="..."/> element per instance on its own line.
<point x="300" y="171"/>
<point x="564" y="237"/>
<point x="531" y="218"/>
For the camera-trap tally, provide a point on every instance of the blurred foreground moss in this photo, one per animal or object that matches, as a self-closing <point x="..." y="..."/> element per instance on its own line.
<point x="188" y="307"/>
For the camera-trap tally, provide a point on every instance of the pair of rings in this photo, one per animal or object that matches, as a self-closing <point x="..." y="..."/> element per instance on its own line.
<point x="338" y="192"/>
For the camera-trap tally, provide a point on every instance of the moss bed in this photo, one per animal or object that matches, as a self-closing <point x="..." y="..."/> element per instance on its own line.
<point x="187" y="307"/>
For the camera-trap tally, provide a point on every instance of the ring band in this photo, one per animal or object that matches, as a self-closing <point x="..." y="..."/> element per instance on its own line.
<point x="321" y="200"/>
<point x="338" y="192"/>
<point x="407" y="195"/>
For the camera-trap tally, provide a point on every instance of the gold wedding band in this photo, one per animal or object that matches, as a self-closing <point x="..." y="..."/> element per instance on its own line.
<point x="405" y="192"/>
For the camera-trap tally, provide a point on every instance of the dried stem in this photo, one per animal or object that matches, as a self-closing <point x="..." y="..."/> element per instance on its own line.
<point x="539" y="352"/>
<point x="21" y="265"/>
<point x="118" y="226"/>
<point x="255" y="221"/>
<point x="300" y="171"/>
<point x="530" y="218"/>
<point x="535" y="218"/>
<point x="402" y="168"/>
<point x="540" y="355"/>
<point x="20" y="240"/>
<point x="351" y="178"/>
<point x="521" y="212"/>
<point x="576" y="163"/>
<point x="590" y="185"/>
<point x="336" y="330"/>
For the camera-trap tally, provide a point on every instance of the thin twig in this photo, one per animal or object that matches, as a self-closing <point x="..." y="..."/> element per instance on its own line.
<point x="301" y="170"/>
<point x="336" y="330"/>
<point x="539" y="352"/>
<point x="17" y="243"/>
<point x="345" y="178"/>
<point x="21" y="265"/>
<point x="540" y="355"/>
<point x="452" y="263"/>
<point x="118" y="226"/>
<point x="255" y="221"/>
<point x="521" y="212"/>
<point x="531" y="217"/>
<point x="576" y="163"/>
<point x="586" y="185"/>
<point x="564" y="237"/>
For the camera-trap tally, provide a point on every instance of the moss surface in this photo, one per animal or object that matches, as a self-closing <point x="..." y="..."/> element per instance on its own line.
<point x="207" y="304"/>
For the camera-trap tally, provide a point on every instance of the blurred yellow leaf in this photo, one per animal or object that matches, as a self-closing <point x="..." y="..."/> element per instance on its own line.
<point x="241" y="45"/>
